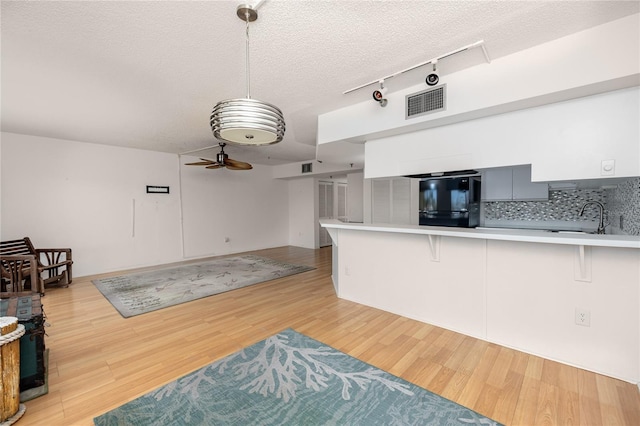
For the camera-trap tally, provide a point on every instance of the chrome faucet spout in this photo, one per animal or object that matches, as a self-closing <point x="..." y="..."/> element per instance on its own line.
<point x="600" y="229"/>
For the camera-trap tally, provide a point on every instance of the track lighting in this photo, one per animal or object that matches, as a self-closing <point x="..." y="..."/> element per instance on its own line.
<point x="477" y="44"/>
<point x="378" y="95"/>
<point x="432" y="79"/>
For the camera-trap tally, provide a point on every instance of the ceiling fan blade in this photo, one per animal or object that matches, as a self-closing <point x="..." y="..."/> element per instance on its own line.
<point x="204" y="162"/>
<point x="214" y="166"/>
<point x="230" y="167"/>
<point x="237" y="165"/>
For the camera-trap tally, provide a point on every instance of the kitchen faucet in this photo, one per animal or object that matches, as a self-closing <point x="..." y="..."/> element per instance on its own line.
<point x="600" y="229"/>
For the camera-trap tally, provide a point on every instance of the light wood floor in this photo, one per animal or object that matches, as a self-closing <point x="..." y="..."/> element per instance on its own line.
<point x="99" y="360"/>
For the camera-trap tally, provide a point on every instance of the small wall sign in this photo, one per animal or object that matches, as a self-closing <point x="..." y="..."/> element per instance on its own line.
<point x="152" y="189"/>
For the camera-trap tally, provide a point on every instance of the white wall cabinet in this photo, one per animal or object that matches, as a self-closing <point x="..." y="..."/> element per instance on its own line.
<point x="392" y="201"/>
<point x="342" y="202"/>
<point x="355" y="197"/>
<point x="512" y="184"/>
<point x="325" y="210"/>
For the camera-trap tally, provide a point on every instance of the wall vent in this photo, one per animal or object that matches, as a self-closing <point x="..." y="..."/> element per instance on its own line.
<point x="426" y="102"/>
<point x="307" y="168"/>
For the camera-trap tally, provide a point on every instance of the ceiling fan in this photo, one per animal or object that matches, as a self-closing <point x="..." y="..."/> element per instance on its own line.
<point x="222" y="160"/>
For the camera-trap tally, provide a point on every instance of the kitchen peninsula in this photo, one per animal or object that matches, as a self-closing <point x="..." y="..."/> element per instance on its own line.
<point x="569" y="297"/>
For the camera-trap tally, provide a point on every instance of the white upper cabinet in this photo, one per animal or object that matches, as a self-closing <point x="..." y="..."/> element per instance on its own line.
<point x="394" y="201"/>
<point x="355" y="197"/>
<point x="512" y="184"/>
<point x="325" y="210"/>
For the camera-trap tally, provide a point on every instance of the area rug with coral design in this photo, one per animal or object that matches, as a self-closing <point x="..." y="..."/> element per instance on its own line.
<point x="290" y="379"/>
<point x="142" y="292"/>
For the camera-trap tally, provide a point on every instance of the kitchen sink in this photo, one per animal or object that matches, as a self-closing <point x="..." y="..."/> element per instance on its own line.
<point x="559" y="231"/>
<point x="572" y="232"/>
<point x="483" y="228"/>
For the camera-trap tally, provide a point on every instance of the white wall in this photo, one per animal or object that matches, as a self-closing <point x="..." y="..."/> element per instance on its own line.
<point x="93" y="199"/>
<point x="562" y="141"/>
<point x="303" y="213"/>
<point x="603" y="58"/>
<point x="70" y="194"/>
<point x="250" y="208"/>
<point x="294" y="170"/>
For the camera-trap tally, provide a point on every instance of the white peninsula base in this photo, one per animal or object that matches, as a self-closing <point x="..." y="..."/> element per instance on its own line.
<point x="525" y="291"/>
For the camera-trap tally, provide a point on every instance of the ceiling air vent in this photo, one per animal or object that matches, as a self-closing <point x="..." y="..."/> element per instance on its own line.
<point x="426" y="102"/>
<point x="306" y="168"/>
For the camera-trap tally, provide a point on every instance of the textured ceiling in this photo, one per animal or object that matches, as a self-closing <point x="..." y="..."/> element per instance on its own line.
<point x="145" y="74"/>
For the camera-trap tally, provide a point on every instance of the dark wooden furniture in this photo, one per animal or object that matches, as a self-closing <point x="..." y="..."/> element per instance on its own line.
<point x="17" y="271"/>
<point x="27" y="307"/>
<point x="22" y="265"/>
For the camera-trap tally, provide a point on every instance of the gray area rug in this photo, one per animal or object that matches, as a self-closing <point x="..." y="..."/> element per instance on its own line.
<point x="136" y="294"/>
<point x="290" y="379"/>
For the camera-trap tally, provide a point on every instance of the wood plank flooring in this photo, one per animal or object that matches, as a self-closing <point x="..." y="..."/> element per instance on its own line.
<point x="99" y="360"/>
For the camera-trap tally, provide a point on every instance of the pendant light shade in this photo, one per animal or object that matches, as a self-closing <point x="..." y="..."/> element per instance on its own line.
<point x="247" y="121"/>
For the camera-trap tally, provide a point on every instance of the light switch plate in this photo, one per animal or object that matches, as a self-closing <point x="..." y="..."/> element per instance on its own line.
<point x="608" y="168"/>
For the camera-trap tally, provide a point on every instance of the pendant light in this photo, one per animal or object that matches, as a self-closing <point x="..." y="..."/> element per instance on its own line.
<point x="247" y="121"/>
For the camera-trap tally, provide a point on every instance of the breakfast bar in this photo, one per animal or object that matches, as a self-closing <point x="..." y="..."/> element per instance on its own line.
<point x="566" y="296"/>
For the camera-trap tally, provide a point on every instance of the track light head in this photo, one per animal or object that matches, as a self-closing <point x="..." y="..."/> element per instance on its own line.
<point x="433" y="79"/>
<point x="378" y="95"/>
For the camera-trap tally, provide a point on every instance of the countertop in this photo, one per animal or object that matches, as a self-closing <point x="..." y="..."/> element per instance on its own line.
<point x="504" y="234"/>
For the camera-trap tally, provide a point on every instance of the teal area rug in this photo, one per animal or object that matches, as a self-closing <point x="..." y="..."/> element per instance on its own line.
<point x="290" y="379"/>
<point x="138" y="293"/>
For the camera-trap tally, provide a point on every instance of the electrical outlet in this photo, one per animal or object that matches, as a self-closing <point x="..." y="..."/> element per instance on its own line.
<point x="583" y="317"/>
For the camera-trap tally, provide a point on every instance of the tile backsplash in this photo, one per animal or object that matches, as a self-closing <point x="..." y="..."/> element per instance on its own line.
<point x="563" y="208"/>
<point x="623" y="207"/>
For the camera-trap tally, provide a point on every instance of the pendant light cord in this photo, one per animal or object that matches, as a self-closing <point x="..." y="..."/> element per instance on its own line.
<point x="246" y="15"/>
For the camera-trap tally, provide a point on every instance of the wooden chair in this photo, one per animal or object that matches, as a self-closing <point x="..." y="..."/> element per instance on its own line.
<point x="21" y="265"/>
<point x="17" y="271"/>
